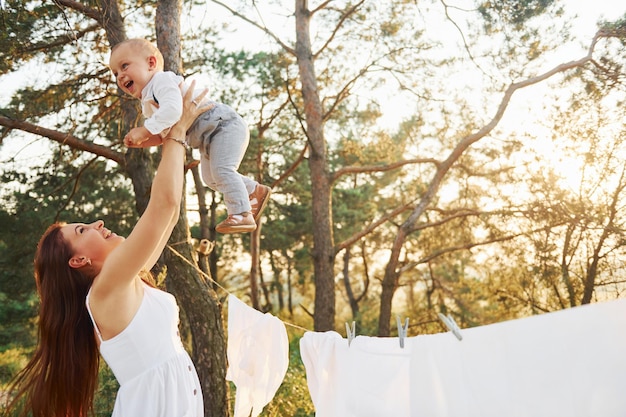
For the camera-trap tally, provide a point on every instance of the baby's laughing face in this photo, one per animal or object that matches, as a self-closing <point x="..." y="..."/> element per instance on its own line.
<point x="132" y="69"/>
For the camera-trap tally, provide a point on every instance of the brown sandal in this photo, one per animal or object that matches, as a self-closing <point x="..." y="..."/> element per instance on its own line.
<point x="237" y="223"/>
<point x="259" y="199"/>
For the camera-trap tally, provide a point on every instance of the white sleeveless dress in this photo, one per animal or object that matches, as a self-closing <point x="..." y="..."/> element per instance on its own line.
<point x="156" y="375"/>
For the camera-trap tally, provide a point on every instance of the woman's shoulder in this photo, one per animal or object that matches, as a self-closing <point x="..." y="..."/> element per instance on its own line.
<point x="103" y="289"/>
<point x="115" y="307"/>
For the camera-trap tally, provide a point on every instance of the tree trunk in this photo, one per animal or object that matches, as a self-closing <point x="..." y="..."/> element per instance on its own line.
<point x="256" y="277"/>
<point x="592" y="270"/>
<point x="323" y="246"/>
<point x="197" y="299"/>
<point x="138" y="162"/>
<point x="390" y="284"/>
<point x="289" y="290"/>
<point x="354" y="305"/>
<point x="205" y="225"/>
<point x="203" y="311"/>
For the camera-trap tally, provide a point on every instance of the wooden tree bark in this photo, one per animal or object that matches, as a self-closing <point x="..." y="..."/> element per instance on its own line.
<point x="354" y="299"/>
<point x="203" y="311"/>
<point x="255" y="246"/>
<point x="323" y="242"/>
<point x="197" y="298"/>
<point x="206" y="261"/>
<point x="138" y="163"/>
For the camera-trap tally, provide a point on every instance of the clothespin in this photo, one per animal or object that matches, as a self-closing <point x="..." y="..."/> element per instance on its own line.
<point x="451" y="325"/>
<point x="350" y="332"/>
<point x="402" y="330"/>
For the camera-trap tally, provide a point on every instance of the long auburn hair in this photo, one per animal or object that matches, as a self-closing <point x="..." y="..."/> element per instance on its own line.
<point x="62" y="376"/>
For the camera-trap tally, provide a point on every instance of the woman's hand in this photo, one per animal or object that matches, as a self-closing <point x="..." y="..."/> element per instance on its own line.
<point x="192" y="108"/>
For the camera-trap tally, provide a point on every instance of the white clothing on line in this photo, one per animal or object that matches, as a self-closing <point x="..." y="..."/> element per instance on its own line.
<point x="371" y="378"/>
<point x="566" y="363"/>
<point x="156" y="375"/>
<point x="258" y="356"/>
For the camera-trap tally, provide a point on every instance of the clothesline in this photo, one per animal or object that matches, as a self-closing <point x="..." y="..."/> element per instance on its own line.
<point x="448" y="320"/>
<point x="207" y="276"/>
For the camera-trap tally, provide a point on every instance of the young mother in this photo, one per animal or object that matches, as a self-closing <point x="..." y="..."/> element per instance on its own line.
<point x="93" y="298"/>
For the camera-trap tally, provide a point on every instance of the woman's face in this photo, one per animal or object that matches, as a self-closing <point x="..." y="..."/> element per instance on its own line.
<point x="92" y="242"/>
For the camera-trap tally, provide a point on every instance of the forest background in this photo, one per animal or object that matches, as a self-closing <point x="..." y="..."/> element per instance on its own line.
<point x="431" y="156"/>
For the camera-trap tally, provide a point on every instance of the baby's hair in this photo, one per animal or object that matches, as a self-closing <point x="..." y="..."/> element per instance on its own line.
<point x="143" y="45"/>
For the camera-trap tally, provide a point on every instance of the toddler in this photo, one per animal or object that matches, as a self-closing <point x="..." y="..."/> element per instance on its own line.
<point x="220" y="134"/>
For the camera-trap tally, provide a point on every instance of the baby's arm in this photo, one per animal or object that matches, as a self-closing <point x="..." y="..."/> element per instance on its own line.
<point x="153" y="140"/>
<point x="137" y="136"/>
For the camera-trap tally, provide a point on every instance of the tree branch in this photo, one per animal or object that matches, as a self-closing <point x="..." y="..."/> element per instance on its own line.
<point x="381" y="168"/>
<point x="338" y="26"/>
<point x="465" y="246"/>
<point x="262" y="28"/>
<point x="464" y="213"/>
<point x="60" y="40"/>
<point x="372" y="226"/>
<point x="293" y="166"/>
<point x="467" y="141"/>
<point x="65" y="138"/>
<point x="320" y="7"/>
<point x="75" y="180"/>
<point x="465" y="45"/>
<point x="81" y="8"/>
<point x="343" y="93"/>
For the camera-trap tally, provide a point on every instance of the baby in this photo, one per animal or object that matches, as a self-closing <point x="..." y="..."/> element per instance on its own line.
<point x="219" y="133"/>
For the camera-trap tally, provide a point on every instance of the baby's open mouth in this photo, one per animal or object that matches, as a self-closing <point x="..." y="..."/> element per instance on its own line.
<point x="129" y="84"/>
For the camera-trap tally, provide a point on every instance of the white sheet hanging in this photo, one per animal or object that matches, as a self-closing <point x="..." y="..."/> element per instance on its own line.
<point x="258" y="356"/>
<point x="566" y="363"/>
<point x="368" y="379"/>
<point x="570" y="363"/>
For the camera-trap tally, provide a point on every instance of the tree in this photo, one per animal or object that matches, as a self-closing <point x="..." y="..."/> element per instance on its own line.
<point x="575" y="255"/>
<point x="348" y="22"/>
<point x="309" y="105"/>
<point x="55" y="191"/>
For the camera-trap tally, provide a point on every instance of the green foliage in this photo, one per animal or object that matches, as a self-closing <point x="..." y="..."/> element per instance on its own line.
<point x="616" y="27"/>
<point x="12" y="360"/>
<point x="292" y="398"/>
<point x="107" y="391"/>
<point x="16" y="308"/>
<point x="60" y="191"/>
<point x="515" y="12"/>
<point x="20" y="22"/>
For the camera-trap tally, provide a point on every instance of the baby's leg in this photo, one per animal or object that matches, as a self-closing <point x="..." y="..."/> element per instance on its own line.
<point x="226" y="150"/>
<point x="205" y="171"/>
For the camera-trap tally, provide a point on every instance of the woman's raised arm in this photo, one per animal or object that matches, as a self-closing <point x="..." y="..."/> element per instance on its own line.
<point x="143" y="246"/>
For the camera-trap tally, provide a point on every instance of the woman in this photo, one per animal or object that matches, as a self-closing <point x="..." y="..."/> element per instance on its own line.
<point x="93" y="298"/>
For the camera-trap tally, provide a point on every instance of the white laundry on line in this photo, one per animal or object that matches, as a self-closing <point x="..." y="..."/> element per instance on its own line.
<point x="570" y="363"/>
<point x="369" y="378"/>
<point x="258" y="356"/>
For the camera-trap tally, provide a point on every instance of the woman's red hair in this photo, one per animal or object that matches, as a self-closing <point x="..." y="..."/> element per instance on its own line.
<point x="61" y="378"/>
